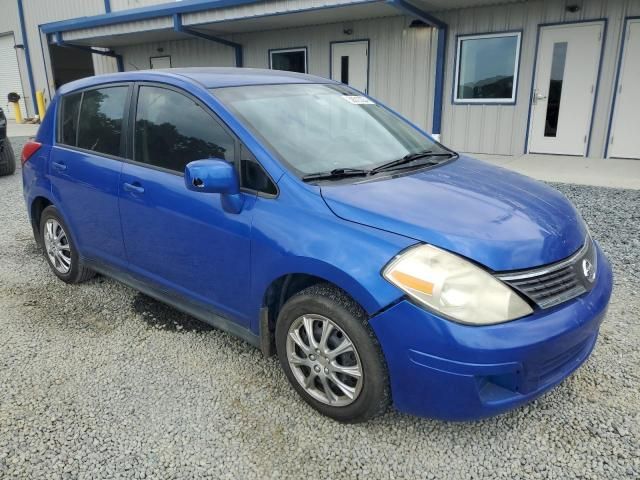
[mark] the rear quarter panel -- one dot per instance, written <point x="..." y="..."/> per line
<point x="35" y="181"/>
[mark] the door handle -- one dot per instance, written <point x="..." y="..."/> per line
<point x="61" y="167"/>
<point x="538" y="96"/>
<point x="134" y="187"/>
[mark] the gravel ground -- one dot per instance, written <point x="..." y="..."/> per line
<point x="97" y="381"/>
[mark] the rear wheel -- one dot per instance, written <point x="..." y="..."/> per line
<point x="330" y="355"/>
<point x="7" y="159"/>
<point x="59" y="248"/>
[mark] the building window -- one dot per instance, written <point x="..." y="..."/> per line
<point x="487" y="68"/>
<point x="290" y="59"/>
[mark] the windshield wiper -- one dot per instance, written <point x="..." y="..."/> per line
<point x="410" y="157"/>
<point x="336" y="174"/>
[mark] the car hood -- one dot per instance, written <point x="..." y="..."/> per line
<point x="496" y="217"/>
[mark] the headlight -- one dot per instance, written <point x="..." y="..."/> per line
<point x="455" y="287"/>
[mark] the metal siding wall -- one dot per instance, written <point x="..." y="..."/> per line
<point x="9" y="23"/>
<point x="184" y="53"/>
<point x="120" y="28"/>
<point x="103" y="64"/>
<point x="400" y="71"/>
<point x="255" y="9"/>
<point x="502" y="129"/>
<point x="38" y="12"/>
<point x="127" y="4"/>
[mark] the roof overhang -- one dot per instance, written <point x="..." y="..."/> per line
<point x="225" y="17"/>
<point x="213" y="22"/>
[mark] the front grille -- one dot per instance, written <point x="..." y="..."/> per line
<point x="554" y="284"/>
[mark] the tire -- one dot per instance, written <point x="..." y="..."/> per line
<point x="70" y="268"/>
<point x="7" y="159"/>
<point x="370" y="391"/>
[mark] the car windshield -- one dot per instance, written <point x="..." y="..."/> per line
<point x="323" y="127"/>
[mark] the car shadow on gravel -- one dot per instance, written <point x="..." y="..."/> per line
<point x="164" y="317"/>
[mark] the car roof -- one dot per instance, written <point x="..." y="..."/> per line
<point x="208" y="77"/>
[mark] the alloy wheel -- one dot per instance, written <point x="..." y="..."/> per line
<point x="324" y="360"/>
<point x="57" y="246"/>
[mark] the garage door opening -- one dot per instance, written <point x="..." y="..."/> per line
<point x="70" y="64"/>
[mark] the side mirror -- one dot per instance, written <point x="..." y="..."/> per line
<point x="212" y="176"/>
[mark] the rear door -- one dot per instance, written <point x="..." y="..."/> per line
<point x="85" y="166"/>
<point x="181" y="240"/>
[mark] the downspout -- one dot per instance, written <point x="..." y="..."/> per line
<point x="178" y="27"/>
<point x="107" y="6"/>
<point x="412" y="11"/>
<point x="109" y="53"/>
<point x="25" y="42"/>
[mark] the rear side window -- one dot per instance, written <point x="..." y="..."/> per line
<point x="69" y="122"/>
<point x="172" y="130"/>
<point x="101" y="114"/>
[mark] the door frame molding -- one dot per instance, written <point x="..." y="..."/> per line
<point x="359" y="40"/>
<point x="625" y="27"/>
<point x="597" y="87"/>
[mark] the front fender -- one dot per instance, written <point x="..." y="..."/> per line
<point x="302" y="235"/>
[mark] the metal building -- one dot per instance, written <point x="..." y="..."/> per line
<point x="489" y="76"/>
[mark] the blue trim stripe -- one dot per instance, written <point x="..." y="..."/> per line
<point x="439" y="86"/>
<point x="143" y="13"/>
<point x="25" y="42"/>
<point x="413" y="11"/>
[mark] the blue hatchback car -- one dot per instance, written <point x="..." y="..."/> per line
<point x="317" y="224"/>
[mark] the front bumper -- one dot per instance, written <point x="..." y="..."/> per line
<point x="446" y="370"/>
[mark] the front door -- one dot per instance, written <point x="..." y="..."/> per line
<point x="625" y="140"/>
<point x="350" y="64"/>
<point x="564" y="88"/>
<point x="183" y="241"/>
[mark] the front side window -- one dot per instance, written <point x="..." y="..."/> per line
<point x="100" y="123"/>
<point x="291" y="60"/>
<point x="253" y="176"/>
<point x="172" y="130"/>
<point x="70" y="107"/>
<point x="487" y="68"/>
<point x="320" y="127"/>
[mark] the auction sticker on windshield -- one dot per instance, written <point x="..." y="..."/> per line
<point x="358" y="100"/>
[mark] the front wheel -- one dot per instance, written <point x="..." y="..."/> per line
<point x="330" y="355"/>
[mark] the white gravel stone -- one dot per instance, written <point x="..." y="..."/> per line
<point x="97" y="381"/>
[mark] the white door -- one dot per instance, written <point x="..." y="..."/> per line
<point x="564" y="88"/>
<point x="350" y="64"/>
<point x="9" y="75"/>
<point x="160" y="62"/>
<point x="625" y="134"/>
